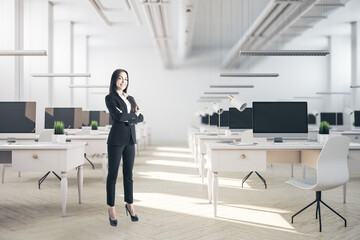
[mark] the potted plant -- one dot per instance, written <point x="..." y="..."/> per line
<point x="94" y="128"/>
<point x="59" y="136"/>
<point x="323" y="135"/>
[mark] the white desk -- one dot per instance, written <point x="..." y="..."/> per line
<point x="41" y="157"/>
<point x="95" y="144"/>
<point x="233" y="158"/>
<point x="201" y="148"/>
<point x="211" y="134"/>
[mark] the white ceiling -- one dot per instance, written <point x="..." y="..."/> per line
<point x="218" y="24"/>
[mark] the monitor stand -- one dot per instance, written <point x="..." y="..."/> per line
<point x="278" y="139"/>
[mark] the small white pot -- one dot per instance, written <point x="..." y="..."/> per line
<point x="59" y="138"/>
<point x="94" y="132"/>
<point x="322" y="138"/>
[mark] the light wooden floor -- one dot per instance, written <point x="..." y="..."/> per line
<point x="172" y="204"/>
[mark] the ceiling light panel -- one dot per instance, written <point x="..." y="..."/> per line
<point x="232" y="86"/>
<point x="23" y="53"/>
<point x="111" y="5"/>
<point x="284" y="53"/>
<point x="249" y="75"/>
<point x="225" y="93"/>
<point x="114" y="14"/>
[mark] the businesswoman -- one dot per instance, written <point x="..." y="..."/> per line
<point x="125" y="114"/>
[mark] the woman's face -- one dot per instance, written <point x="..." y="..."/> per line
<point x="122" y="81"/>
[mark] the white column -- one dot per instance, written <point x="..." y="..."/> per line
<point x="327" y="98"/>
<point x="354" y="65"/>
<point x="50" y="52"/>
<point x="19" y="45"/>
<point x="71" y="62"/>
<point x="87" y="70"/>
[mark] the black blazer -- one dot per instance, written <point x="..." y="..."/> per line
<point x="121" y="131"/>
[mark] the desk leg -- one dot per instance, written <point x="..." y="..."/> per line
<point x="292" y="170"/>
<point x="304" y="171"/>
<point x="195" y="155"/>
<point x="2" y="168"/>
<point x="80" y="179"/>
<point x="215" y="191"/>
<point x="201" y="167"/>
<point x="64" y="190"/>
<point x="19" y="174"/>
<point x="104" y="167"/>
<point x="209" y="176"/>
<point x="344" y="190"/>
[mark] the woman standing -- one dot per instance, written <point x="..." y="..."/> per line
<point x="125" y="114"/>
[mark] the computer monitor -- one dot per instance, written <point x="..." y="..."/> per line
<point x="240" y="120"/>
<point x="71" y="117"/>
<point x="17" y="117"/>
<point x="100" y="116"/>
<point x="357" y="118"/>
<point x="280" y="119"/>
<point x="205" y="119"/>
<point x="214" y="119"/>
<point x="311" y="119"/>
<point x="224" y="119"/>
<point x="331" y="118"/>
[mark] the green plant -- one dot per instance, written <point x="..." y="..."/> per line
<point x="58" y="127"/>
<point x="94" y="125"/>
<point x="324" y="128"/>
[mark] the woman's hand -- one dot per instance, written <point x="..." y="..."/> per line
<point x="137" y="112"/>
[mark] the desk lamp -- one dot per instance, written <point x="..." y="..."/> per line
<point x="349" y="112"/>
<point x="240" y="105"/>
<point x="219" y="111"/>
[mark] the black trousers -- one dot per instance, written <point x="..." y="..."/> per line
<point x="114" y="156"/>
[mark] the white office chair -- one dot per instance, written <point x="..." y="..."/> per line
<point x="332" y="171"/>
<point x="247" y="136"/>
<point x="46" y="136"/>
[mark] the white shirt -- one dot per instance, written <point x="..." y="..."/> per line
<point x="128" y="104"/>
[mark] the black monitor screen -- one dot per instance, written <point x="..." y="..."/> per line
<point x="17" y="117"/>
<point x="280" y="119"/>
<point x="357" y="118"/>
<point x="71" y="117"/>
<point x="312" y="119"/>
<point x="331" y="118"/>
<point x="240" y="120"/>
<point x="214" y="119"/>
<point x="100" y="116"/>
<point x="205" y="119"/>
<point x="224" y="119"/>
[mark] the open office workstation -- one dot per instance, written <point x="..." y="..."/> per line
<point x="250" y="109"/>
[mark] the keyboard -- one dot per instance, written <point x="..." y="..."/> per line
<point x="243" y="144"/>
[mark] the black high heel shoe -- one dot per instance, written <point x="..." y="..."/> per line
<point x="112" y="222"/>
<point x="133" y="218"/>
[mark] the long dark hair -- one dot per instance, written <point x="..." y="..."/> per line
<point x="113" y="88"/>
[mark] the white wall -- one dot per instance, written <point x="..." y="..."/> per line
<point x="36" y="37"/>
<point x="80" y="67"/>
<point x="7" y="42"/>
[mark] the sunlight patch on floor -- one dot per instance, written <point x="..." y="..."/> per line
<point x="172" y="149"/>
<point x="249" y="215"/>
<point x="171" y="163"/>
<point x="171" y="155"/>
<point x="173" y="177"/>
